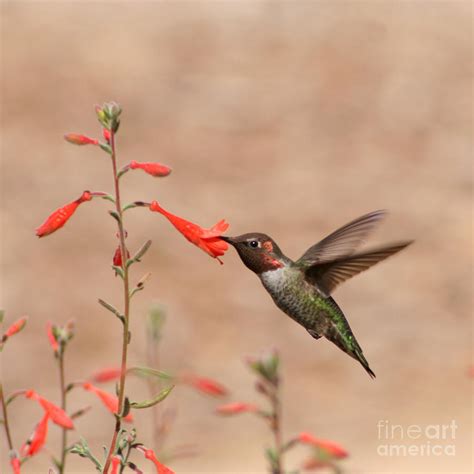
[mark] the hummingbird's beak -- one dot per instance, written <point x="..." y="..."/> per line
<point x="229" y="240"/>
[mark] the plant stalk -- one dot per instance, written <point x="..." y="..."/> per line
<point x="276" y="429"/>
<point x="5" y="419"/>
<point x="62" y="466"/>
<point x="126" y="297"/>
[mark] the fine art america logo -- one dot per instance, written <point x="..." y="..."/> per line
<point x="416" y="440"/>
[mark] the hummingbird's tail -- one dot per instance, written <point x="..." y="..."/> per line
<point x="340" y="333"/>
<point x="357" y="355"/>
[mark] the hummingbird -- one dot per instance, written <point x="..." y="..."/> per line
<point x="302" y="289"/>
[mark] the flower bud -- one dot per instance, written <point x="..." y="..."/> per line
<point x="77" y="139"/>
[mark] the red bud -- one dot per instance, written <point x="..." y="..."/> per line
<point x="15" y="328"/>
<point x="107" y="375"/>
<point x="329" y="446"/>
<point x="77" y="139"/>
<point x="154" y="169"/>
<point x="236" y="408"/>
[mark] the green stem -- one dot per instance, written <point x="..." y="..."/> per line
<point x="5" y="419"/>
<point x="126" y="312"/>
<point x="62" y="465"/>
<point x="276" y="428"/>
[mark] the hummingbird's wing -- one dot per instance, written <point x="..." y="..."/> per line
<point x="342" y="242"/>
<point x="327" y="276"/>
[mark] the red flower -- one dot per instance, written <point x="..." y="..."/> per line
<point x="52" y="338"/>
<point x="55" y="413"/>
<point x="109" y="400"/>
<point x="236" y="408"/>
<point x="206" y="239"/>
<point x="106" y="134"/>
<point x="77" y="139"/>
<point x="106" y="375"/>
<point x="154" y="169"/>
<point x="60" y="216"/>
<point x="15" y="463"/>
<point x="37" y="439"/>
<point x="160" y="468"/>
<point x="15" y="328"/>
<point x="205" y="385"/>
<point x="115" y="462"/>
<point x="117" y="260"/>
<point x="329" y="446"/>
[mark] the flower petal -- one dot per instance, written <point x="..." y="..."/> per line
<point x="110" y="401"/>
<point x="149" y="454"/>
<point x="330" y="447"/>
<point x="236" y="408"/>
<point x="55" y="413"/>
<point x="206" y="239"/>
<point x="77" y="139"/>
<point x="205" y="385"/>
<point x="115" y="464"/>
<point x="37" y="439"/>
<point x="15" y="328"/>
<point x="15" y="464"/>
<point x="60" y="216"/>
<point x="154" y="169"/>
<point x="52" y="338"/>
<point x="107" y="375"/>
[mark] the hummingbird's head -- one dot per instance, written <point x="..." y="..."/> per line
<point x="259" y="252"/>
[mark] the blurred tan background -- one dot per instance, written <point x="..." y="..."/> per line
<point x="287" y="118"/>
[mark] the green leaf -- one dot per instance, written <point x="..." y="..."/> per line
<point x="272" y="456"/>
<point x="111" y="308"/>
<point x="115" y="216"/>
<point x="140" y="252"/>
<point x="126" y="407"/>
<point x="118" y="271"/>
<point x="82" y="449"/>
<point x="136" y="290"/>
<point x="153" y="401"/>
<point x="108" y="197"/>
<point x="106" y="148"/>
<point x="2" y="315"/>
<point x="149" y="372"/>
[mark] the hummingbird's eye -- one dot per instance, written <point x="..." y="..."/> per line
<point x="254" y="243"/>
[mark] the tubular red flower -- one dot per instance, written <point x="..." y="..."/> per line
<point x="15" y="463"/>
<point x="60" y="216"/>
<point x="106" y="134"/>
<point x="51" y="337"/>
<point x="55" y="413"/>
<point x="115" y="463"/>
<point x="330" y="447"/>
<point x="37" y="439"/>
<point x="236" y="408"/>
<point x="117" y="260"/>
<point x="154" y="169"/>
<point x="205" y="385"/>
<point x="149" y="454"/>
<point x="110" y="401"/>
<point x="77" y="139"/>
<point x="106" y="375"/>
<point x="206" y="239"/>
<point x="15" y="328"/>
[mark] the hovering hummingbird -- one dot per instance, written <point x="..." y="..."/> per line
<point x="303" y="289"/>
